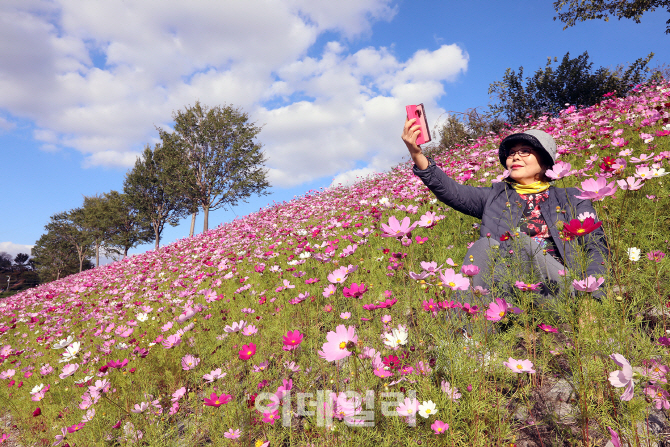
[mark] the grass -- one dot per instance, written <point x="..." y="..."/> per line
<point x="203" y="284"/>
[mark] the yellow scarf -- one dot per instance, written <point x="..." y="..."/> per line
<point x="532" y="188"/>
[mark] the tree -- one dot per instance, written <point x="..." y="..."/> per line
<point x="53" y="256"/>
<point x="225" y="163"/>
<point x="461" y="128"/>
<point x="581" y="10"/>
<point x="70" y="226"/>
<point x="5" y="261"/>
<point x="21" y="259"/>
<point x="571" y="82"/>
<point x="130" y="230"/>
<point x="100" y="221"/>
<point x="153" y="189"/>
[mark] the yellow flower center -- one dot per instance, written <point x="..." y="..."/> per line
<point x="248" y="352"/>
<point x="428" y="411"/>
<point x="502" y="314"/>
<point x="519" y="366"/>
<point x="343" y="345"/>
<point x="217" y="402"/>
<point x="581" y="230"/>
<point x="452" y="284"/>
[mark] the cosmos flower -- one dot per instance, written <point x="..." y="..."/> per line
<point x="336" y="346"/>
<point x="520" y="366"/>
<point x="623" y="377"/>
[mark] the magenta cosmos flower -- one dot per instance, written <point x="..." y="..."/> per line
<point x="520" y="366"/>
<point x="336" y="346"/>
<point x="439" y="427"/>
<point x="547" y="328"/>
<point x="398" y="229"/>
<point x="217" y="401"/>
<point x="454" y="280"/>
<point x="355" y="291"/>
<point x="623" y="377"/>
<point x="527" y="287"/>
<point x="293" y="338"/>
<point x="247" y="351"/>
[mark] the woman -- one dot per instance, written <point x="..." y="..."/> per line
<point x="526" y="203"/>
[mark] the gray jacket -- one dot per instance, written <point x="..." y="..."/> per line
<point x="500" y="208"/>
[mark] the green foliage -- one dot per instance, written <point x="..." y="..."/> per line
<point x="572" y="82"/>
<point x="128" y="229"/>
<point x="55" y="255"/>
<point x="462" y="128"/>
<point x="21" y="259"/>
<point x="224" y="162"/>
<point x="581" y="10"/>
<point x="153" y="188"/>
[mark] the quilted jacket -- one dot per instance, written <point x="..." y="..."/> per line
<point x="500" y="208"/>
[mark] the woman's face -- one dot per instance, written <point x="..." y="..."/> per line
<point x="524" y="170"/>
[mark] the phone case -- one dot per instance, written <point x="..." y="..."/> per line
<point x="418" y="112"/>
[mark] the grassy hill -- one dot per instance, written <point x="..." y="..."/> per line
<point x="186" y="345"/>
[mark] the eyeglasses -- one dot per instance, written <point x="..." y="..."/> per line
<point x="522" y="153"/>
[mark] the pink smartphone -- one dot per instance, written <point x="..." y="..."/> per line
<point x="418" y="112"/>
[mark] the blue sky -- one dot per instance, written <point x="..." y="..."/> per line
<point x="83" y="84"/>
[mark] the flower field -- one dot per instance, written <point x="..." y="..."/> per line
<point x="334" y="319"/>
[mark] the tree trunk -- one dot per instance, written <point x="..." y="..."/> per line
<point x="97" y="254"/>
<point x="157" y="234"/>
<point x="205" y="226"/>
<point x="125" y="252"/>
<point x="192" y="224"/>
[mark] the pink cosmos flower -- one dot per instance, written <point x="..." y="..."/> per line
<point x="398" y="229"/>
<point x="452" y="393"/>
<point x="623" y="377"/>
<point x="614" y="437"/>
<point x="249" y="330"/>
<point x="230" y="434"/>
<point x="171" y="341"/>
<point x="338" y="276"/>
<point x="427" y="220"/>
<point x="329" y="290"/>
<point x="631" y="184"/>
<point x="408" y="408"/>
<point x="642" y="158"/>
<point x="547" y="328"/>
<point x="178" y="394"/>
<point x="345" y="315"/>
<point x="68" y="370"/>
<point x="439" y="427"/>
<point x="520" y="366"/>
<point x="559" y="170"/>
<point x="454" y="280"/>
<point x="60" y="438"/>
<point x="643" y="172"/>
<point x="382" y="373"/>
<point x="656" y="372"/>
<point x="270" y="418"/>
<point x="589" y="284"/>
<point x="659" y="396"/>
<point x="619" y="142"/>
<point x="189" y="362"/>
<point x="469" y="270"/>
<point x="527" y="287"/>
<point x="420" y="276"/>
<point x="596" y="189"/>
<point x="214" y="375"/>
<point x="336" y="346"/>
<point x="237" y="326"/>
<point x="498" y="309"/>
<point x="140" y="408"/>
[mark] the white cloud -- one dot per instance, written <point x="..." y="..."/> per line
<point x="14" y="249"/>
<point x="6" y="125"/>
<point x="98" y="76"/>
<point x="351" y="177"/>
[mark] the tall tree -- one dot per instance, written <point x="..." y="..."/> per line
<point x="100" y="220"/>
<point x="71" y="226"/>
<point x="20" y="259"/>
<point x="225" y="162"/>
<point x="581" y="10"/>
<point x="53" y="256"/>
<point x="130" y="230"/>
<point x="153" y="188"/>
<point x="572" y="82"/>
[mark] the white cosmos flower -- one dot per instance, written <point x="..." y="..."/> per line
<point x="634" y="254"/>
<point x="427" y="409"/>
<point x="60" y="344"/>
<point x="142" y="317"/>
<point x="395" y="338"/>
<point x="70" y="352"/>
<point x="37" y="388"/>
<point x="84" y="380"/>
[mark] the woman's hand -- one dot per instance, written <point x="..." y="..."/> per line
<point x="409" y="135"/>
